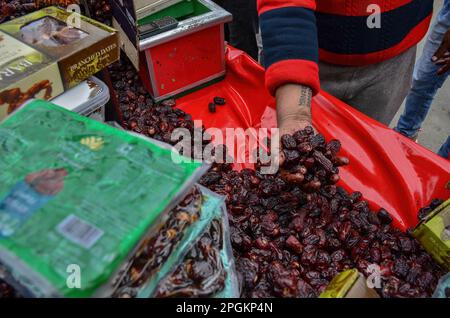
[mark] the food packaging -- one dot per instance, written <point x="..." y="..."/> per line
<point x="434" y="234"/>
<point x="42" y="55"/>
<point x="443" y="287"/>
<point x="205" y="281"/>
<point x="87" y="98"/>
<point x="349" y="284"/>
<point x="150" y="268"/>
<point x="77" y="197"/>
<point x="180" y="60"/>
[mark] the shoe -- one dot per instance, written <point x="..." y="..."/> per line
<point x="414" y="137"/>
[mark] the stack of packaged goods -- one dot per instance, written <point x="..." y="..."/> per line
<point x="48" y="52"/>
<point x="78" y="213"/>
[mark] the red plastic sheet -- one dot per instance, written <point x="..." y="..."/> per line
<point x="390" y="170"/>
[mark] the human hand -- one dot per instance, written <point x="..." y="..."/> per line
<point x="293" y="111"/>
<point x="293" y="108"/>
<point x="442" y="55"/>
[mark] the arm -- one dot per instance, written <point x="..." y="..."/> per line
<point x="293" y="107"/>
<point x="291" y="55"/>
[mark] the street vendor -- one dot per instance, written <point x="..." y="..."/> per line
<point x="362" y="51"/>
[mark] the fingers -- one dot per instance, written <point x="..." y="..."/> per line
<point x="444" y="59"/>
<point x="445" y="68"/>
<point x="441" y="51"/>
<point x="442" y="55"/>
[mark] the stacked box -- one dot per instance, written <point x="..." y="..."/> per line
<point x="49" y="51"/>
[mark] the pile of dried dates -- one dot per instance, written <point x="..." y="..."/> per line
<point x="6" y="291"/>
<point x="139" y="113"/>
<point x="155" y="250"/>
<point x="201" y="274"/>
<point x="11" y="9"/>
<point x="100" y="10"/>
<point x="294" y="231"/>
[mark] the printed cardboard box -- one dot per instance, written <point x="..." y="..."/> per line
<point x="42" y="55"/>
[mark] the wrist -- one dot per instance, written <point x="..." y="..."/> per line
<point x="303" y="114"/>
<point x="293" y="103"/>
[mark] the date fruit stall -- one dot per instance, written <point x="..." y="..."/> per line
<point x="391" y="171"/>
<point x="293" y="232"/>
<point x="291" y="236"/>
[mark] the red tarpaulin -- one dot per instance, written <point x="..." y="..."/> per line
<point x="390" y="170"/>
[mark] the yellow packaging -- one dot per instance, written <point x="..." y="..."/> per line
<point x="434" y="234"/>
<point x="349" y="284"/>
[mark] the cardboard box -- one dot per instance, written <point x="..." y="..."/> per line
<point x="42" y="55"/>
<point x="434" y="234"/>
<point x="349" y="284"/>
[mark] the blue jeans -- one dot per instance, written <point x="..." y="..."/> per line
<point x="445" y="149"/>
<point x="426" y="82"/>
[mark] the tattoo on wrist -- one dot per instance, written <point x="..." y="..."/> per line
<point x="305" y="96"/>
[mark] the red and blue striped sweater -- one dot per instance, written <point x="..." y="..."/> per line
<point x="297" y="33"/>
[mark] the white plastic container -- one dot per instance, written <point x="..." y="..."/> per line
<point x="88" y="99"/>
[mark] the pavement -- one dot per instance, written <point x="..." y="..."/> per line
<point x="436" y="127"/>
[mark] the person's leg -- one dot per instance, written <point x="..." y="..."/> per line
<point x="426" y="82"/>
<point x="376" y="90"/>
<point x="445" y="149"/>
<point x="385" y="87"/>
<point x="244" y="26"/>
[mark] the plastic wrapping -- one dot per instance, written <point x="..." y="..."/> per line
<point x="390" y="170"/>
<point x="162" y="251"/>
<point x="443" y="288"/>
<point x="167" y="245"/>
<point x="434" y="234"/>
<point x="349" y="284"/>
<point x="213" y="249"/>
<point x="77" y="196"/>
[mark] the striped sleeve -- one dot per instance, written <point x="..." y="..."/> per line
<point x="290" y="43"/>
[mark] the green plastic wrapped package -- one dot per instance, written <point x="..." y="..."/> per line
<point x="76" y="198"/>
<point x="160" y="255"/>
